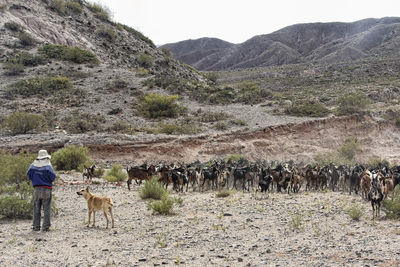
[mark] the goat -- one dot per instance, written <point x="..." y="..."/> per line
<point x="88" y="172"/>
<point x="365" y="183"/>
<point x="375" y="196"/>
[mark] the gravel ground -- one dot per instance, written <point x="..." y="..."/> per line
<point x="244" y="229"/>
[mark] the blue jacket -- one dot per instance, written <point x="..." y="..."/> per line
<point x="41" y="176"/>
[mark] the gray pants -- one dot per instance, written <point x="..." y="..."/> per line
<point x="41" y="197"/>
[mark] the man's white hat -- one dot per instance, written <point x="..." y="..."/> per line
<point x="43" y="154"/>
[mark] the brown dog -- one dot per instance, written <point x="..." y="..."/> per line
<point x="97" y="203"/>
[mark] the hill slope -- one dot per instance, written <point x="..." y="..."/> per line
<point x="300" y="43"/>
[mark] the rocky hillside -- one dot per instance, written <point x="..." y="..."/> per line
<point x="198" y="53"/>
<point x="80" y="60"/>
<point x="301" y="43"/>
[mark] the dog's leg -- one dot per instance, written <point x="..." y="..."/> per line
<point x="94" y="217"/>
<point x="105" y="215"/>
<point x="89" y="214"/>
<point x="112" y="216"/>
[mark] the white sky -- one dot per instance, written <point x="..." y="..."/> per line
<point x="167" y="21"/>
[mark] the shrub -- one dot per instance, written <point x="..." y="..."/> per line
<point x="116" y="174"/>
<point x="162" y="207"/>
<point x="83" y="122"/>
<point x="296" y="221"/>
<point x="392" y="206"/>
<point x="68" y="53"/>
<point x="235" y="158"/>
<point x="308" y="109"/>
<point x="107" y="33"/>
<point x="146" y="61"/>
<point x="353" y="104"/>
<point x="138" y="35"/>
<point x="167" y="52"/>
<point x="223" y="193"/>
<point x="13" y="26"/>
<point x="354" y="212"/>
<point x="212" y="76"/>
<point x="70" y="158"/>
<point x="58" y="6"/>
<point x="220" y="126"/>
<point x="16" y="193"/>
<point x="350" y="148"/>
<point x="152" y="189"/>
<point x="324" y="159"/>
<point x="142" y="72"/>
<point x="213" y="116"/>
<point x="100" y="12"/>
<point x="159" y="106"/>
<point x="26" y="59"/>
<point x="251" y="93"/>
<point x="181" y="127"/>
<point x="39" y="86"/>
<point x="377" y="162"/>
<point x="74" y="6"/>
<point x="21" y="122"/>
<point x="26" y="39"/>
<point x="13" y="69"/>
<point x="98" y="172"/>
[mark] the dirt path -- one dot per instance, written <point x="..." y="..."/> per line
<point x="244" y="229"/>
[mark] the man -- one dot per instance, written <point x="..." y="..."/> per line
<point x="42" y="175"/>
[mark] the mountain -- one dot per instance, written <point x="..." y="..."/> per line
<point x="301" y="43"/>
<point x="64" y="57"/>
<point x="198" y="53"/>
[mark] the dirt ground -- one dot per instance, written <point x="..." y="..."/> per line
<point x="244" y="229"/>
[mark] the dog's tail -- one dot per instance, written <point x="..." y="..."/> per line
<point x="109" y="201"/>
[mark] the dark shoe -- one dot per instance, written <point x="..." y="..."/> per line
<point x="45" y="230"/>
<point x="36" y="229"/>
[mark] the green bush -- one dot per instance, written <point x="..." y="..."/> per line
<point x="13" y="69"/>
<point x="212" y="76"/>
<point x="392" y="206"/>
<point x="213" y="116"/>
<point x="83" y="122"/>
<point x="181" y="127"/>
<point x="26" y="59"/>
<point x="26" y="39"/>
<point x="100" y="12"/>
<point x="39" y="86"/>
<point x="58" y="6"/>
<point x="324" y="159"/>
<point x="68" y="53"/>
<point x="350" y="148"/>
<point x="251" y="93"/>
<point x="107" y="33"/>
<point x="354" y="212"/>
<point x="223" y="193"/>
<point x="16" y="192"/>
<point x="152" y="189"/>
<point x="21" y="122"/>
<point x="74" y="6"/>
<point x="159" y="106"/>
<point x="220" y="126"/>
<point x="116" y="174"/>
<point x="353" y="104"/>
<point x="235" y="158"/>
<point x="13" y="26"/>
<point x="70" y="158"/>
<point x="162" y="207"/>
<point x="308" y="109"/>
<point x="146" y="61"/>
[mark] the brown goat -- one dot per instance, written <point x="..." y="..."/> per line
<point x="365" y="184"/>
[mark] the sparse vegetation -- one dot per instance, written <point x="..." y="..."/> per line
<point x="223" y="193"/>
<point x="39" y="86"/>
<point x="391" y="207"/>
<point x="145" y="61"/>
<point x="296" y="221"/>
<point x="26" y="59"/>
<point x="159" y="106"/>
<point x="100" y="12"/>
<point x="349" y="149"/>
<point x="355" y="212"/>
<point x="353" y="103"/>
<point x="21" y="122"/>
<point x="16" y="193"/>
<point x="163" y="206"/>
<point x="152" y="189"/>
<point x="138" y="35"/>
<point x="68" y="53"/>
<point x="83" y="122"/>
<point x="13" y="69"/>
<point x="308" y="109"/>
<point x="116" y="174"/>
<point x="26" y="39"/>
<point x="107" y="33"/>
<point x="70" y="158"/>
<point x="179" y="127"/>
<point x="13" y="26"/>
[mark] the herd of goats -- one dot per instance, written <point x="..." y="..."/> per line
<point x="374" y="183"/>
